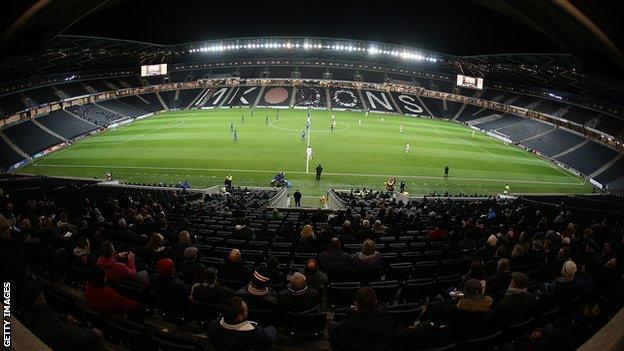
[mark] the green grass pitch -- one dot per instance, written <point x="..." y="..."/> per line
<point x="197" y="146"/>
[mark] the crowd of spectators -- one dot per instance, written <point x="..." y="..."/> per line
<point x="518" y="261"/>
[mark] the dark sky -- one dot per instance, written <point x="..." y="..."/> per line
<point x="456" y="27"/>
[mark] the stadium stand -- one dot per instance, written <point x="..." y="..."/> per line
<point x="187" y="96"/>
<point x="96" y="114"/>
<point x="280" y="71"/>
<point x="588" y="158"/>
<point x="11" y="104"/>
<point x="613" y="173"/>
<point x="8" y="156"/>
<point x="122" y="108"/>
<point x="504" y="121"/>
<point x="311" y="72"/>
<point x="73" y="89"/>
<point x="43" y="95"/>
<point x="554" y="142"/>
<point x="469" y="113"/>
<point x="98" y="85"/>
<point x="342" y="74"/>
<point x="610" y="125"/>
<point x="525" y="129"/>
<point x="131" y="81"/>
<point x="311" y="96"/>
<point x="425" y="250"/>
<point x="65" y="124"/>
<point x="147" y="102"/>
<point x="30" y="138"/>
<point x="433" y="105"/>
<point x="372" y="76"/>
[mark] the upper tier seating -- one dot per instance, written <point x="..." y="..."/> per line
<point x="30" y="138"/>
<point x="73" y="89"/>
<point x="95" y="114"/>
<point x="554" y="142"/>
<point x="311" y="72"/>
<point x="588" y="158"/>
<point x="65" y="124"/>
<point x="43" y="95"/>
<point x="11" y="104"/>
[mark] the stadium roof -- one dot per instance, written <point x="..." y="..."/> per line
<point x="33" y="43"/>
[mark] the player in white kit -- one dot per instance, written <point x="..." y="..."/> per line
<point x="407" y="147"/>
<point x="309" y="152"/>
<point x="401" y="130"/>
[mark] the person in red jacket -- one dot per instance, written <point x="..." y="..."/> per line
<point x="104" y="299"/>
<point x="116" y="271"/>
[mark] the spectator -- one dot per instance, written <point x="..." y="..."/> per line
<point x="497" y="285"/>
<point x="233" y="270"/>
<point x="517" y="306"/>
<point x="346" y="232"/>
<point x="334" y="258"/>
<point x="190" y="268"/>
<point x="379" y="229"/>
<point x="307" y="236"/>
<point x="315" y="278"/>
<point x="437" y="234"/>
<point x="298" y="297"/>
<point x="82" y="253"/>
<point x="116" y="271"/>
<point x="157" y="247"/>
<point x="208" y="290"/>
<point x="257" y="293"/>
<point x="488" y="250"/>
<point x="242" y="230"/>
<point x="468" y="317"/>
<point x="164" y="282"/>
<point x="126" y="235"/>
<point x="14" y="265"/>
<point x="234" y="332"/>
<point x="365" y="231"/>
<point x="563" y="288"/>
<point x="369" y="257"/>
<point x="58" y="331"/>
<point x="104" y="299"/>
<point x="184" y="242"/>
<point x="365" y="328"/>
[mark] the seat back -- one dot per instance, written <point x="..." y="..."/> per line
<point x="386" y="290"/>
<point x="310" y="324"/>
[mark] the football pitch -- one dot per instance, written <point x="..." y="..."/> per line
<point x="198" y="146"/>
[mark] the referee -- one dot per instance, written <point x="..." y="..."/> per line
<point x="446" y="170"/>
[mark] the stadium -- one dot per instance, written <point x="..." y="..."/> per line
<point x="258" y="182"/>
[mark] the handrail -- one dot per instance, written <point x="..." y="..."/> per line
<point x="334" y="201"/>
<point x="280" y="199"/>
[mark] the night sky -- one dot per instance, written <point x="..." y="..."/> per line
<point x="449" y="26"/>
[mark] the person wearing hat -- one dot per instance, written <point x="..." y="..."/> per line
<point x="257" y="294"/>
<point x="517" y="306"/>
<point x="298" y="297"/>
<point x="58" y="331"/>
<point x="164" y="282"/>
<point x="104" y="299"/>
<point x="234" y="332"/>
